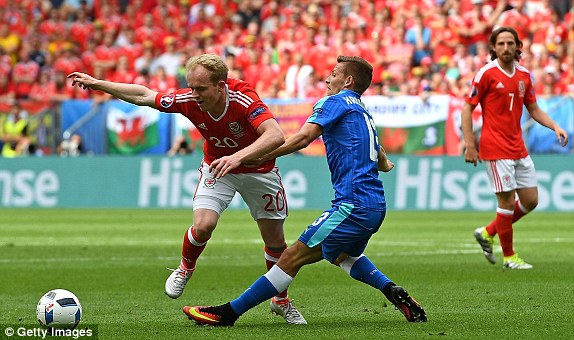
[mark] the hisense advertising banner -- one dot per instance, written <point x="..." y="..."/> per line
<point x="416" y="182"/>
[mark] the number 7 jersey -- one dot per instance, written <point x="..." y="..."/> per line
<point x="234" y="130"/>
<point x="502" y="97"/>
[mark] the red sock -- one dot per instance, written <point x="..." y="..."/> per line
<point x="491" y="228"/>
<point x="519" y="211"/>
<point x="504" y="228"/>
<point x="191" y="249"/>
<point x="271" y="258"/>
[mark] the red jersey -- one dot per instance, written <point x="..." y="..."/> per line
<point x="233" y="131"/>
<point x="502" y="98"/>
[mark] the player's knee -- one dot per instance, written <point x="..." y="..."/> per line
<point x="340" y="259"/>
<point x="531" y="204"/>
<point x="294" y="257"/>
<point x="203" y="230"/>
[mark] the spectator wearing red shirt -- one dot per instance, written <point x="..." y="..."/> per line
<point x="269" y="69"/>
<point x="517" y="18"/>
<point x="127" y="45"/>
<point x="133" y="15"/>
<point x="165" y="9"/>
<point x="67" y="60"/>
<point x="7" y="91"/>
<point x="81" y="29"/>
<point x="443" y="40"/>
<point x="160" y="81"/>
<point x="109" y="15"/>
<point x="479" y="21"/>
<point x="106" y="54"/>
<point x="541" y="24"/>
<point x="457" y="23"/>
<point x="253" y="73"/>
<point x="149" y="31"/>
<point x="54" y="23"/>
<point x="44" y="89"/>
<point x="88" y="55"/>
<point x="320" y="55"/>
<point x="200" y="24"/>
<point x="64" y="90"/>
<point x="123" y="72"/>
<point x="24" y="73"/>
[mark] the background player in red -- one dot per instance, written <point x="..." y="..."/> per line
<point x="236" y="125"/>
<point x="502" y="88"/>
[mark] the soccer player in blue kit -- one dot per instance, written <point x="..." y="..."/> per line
<point x="340" y="234"/>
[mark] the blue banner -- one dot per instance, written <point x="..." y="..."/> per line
<point x="87" y="119"/>
<point x="92" y="126"/>
<point x="542" y="140"/>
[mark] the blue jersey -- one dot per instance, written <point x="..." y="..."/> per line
<point x="352" y="148"/>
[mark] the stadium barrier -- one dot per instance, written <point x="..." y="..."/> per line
<point x="416" y="183"/>
<point x="406" y="125"/>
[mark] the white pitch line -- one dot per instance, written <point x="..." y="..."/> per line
<point x="451" y="249"/>
<point x="84" y="242"/>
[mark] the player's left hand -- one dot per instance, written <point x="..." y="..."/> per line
<point x="562" y="135"/>
<point x="388" y="166"/>
<point x="222" y="166"/>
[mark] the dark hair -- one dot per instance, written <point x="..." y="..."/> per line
<point x="359" y="69"/>
<point x="494" y="36"/>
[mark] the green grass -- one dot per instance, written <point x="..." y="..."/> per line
<point x="115" y="260"/>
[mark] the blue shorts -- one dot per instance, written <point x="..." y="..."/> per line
<point x="343" y="229"/>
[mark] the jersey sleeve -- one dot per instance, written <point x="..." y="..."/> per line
<point x="475" y="92"/>
<point x="173" y="102"/>
<point x="530" y="94"/>
<point x="324" y="112"/>
<point x="258" y="112"/>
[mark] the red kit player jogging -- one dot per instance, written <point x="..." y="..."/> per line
<point x="237" y="126"/>
<point x="502" y="88"/>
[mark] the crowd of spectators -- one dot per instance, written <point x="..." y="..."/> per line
<point x="284" y="48"/>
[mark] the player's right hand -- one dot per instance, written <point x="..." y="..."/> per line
<point x="83" y="80"/>
<point x="471" y="156"/>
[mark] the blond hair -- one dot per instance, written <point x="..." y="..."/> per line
<point x="211" y="63"/>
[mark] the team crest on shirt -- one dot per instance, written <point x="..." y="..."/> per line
<point x="209" y="182"/>
<point x="166" y="100"/>
<point x="236" y="130"/>
<point x="234" y="127"/>
<point x="521" y="88"/>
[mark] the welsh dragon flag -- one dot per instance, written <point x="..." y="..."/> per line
<point x="132" y="131"/>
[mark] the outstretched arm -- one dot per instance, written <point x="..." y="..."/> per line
<point x="544" y="119"/>
<point x="132" y="93"/>
<point x="308" y="133"/>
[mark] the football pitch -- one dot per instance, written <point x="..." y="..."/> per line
<point x="115" y="262"/>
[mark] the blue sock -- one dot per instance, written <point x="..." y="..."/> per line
<point x="260" y="290"/>
<point x="365" y="271"/>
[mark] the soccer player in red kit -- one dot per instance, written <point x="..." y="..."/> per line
<point x="237" y="126"/>
<point x="502" y="88"/>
